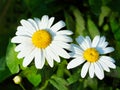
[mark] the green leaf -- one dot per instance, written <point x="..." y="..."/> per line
<point x="31" y="74"/>
<point x="73" y="78"/>
<point x="4" y="71"/>
<point x="35" y="79"/>
<point x="70" y="23"/>
<point x="11" y="59"/>
<point x="59" y="83"/>
<point x="92" y="83"/>
<point x="80" y="22"/>
<point x="2" y="63"/>
<point x="115" y="27"/>
<point x="92" y="28"/>
<point x="61" y="68"/>
<point x="21" y="64"/>
<point x="105" y="11"/>
<point x="4" y="74"/>
<point x="114" y="73"/>
<point x="95" y="6"/>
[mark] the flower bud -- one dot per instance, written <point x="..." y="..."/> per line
<point x="17" y="79"/>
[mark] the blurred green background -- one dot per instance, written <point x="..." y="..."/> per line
<point x="83" y="17"/>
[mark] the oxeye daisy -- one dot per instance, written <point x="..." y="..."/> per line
<point x="41" y="41"/>
<point x="92" y="55"/>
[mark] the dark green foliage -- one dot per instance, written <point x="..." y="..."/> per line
<point x="83" y="17"/>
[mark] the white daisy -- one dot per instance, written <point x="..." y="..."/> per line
<point x="39" y="40"/>
<point x="91" y="53"/>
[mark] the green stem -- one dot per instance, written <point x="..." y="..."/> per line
<point x="44" y="86"/>
<point x="22" y="86"/>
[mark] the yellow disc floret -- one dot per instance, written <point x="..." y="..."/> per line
<point x="91" y="55"/>
<point x="41" y="38"/>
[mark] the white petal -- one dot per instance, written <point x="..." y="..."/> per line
<point x="23" y="31"/>
<point x="37" y="20"/>
<point x="25" y="51"/>
<point x="101" y="41"/>
<point x="62" y="45"/>
<point x="58" y="26"/>
<point x="66" y="32"/>
<point x="43" y="58"/>
<point x="76" y="49"/>
<point x="108" y="61"/>
<point x="75" y="62"/>
<point x="99" y="71"/>
<point x="22" y="54"/>
<point x="50" y="22"/>
<point x="34" y="24"/>
<point x="104" y="45"/>
<point x="91" y="70"/>
<point x="95" y="41"/>
<point x="44" y="22"/>
<point x="85" y="69"/>
<point x="109" y="58"/>
<point x="74" y="55"/>
<point x="21" y="46"/>
<point x="63" y="38"/>
<point x="29" y="32"/>
<point x="53" y="53"/>
<point x="48" y="58"/>
<point x="104" y="66"/>
<point x="27" y="25"/>
<point x="39" y="59"/>
<point x="107" y="50"/>
<point x="81" y="41"/>
<point x="88" y="41"/>
<point x="60" y="51"/>
<point x="20" y="39"/>
<point x="28" y="59"/>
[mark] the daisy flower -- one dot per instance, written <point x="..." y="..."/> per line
<point x="92" y="54"/>
<point x="41" y="41"/>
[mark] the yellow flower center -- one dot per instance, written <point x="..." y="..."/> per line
<point x="41" y="38"/>
<point x="91" y="55"/>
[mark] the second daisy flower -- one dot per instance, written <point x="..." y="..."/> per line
<point x="91" y="53"/>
